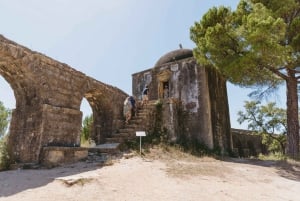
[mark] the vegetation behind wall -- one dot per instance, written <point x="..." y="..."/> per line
<point x="4" y="157"/>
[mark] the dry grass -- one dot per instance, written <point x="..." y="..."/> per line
<point x="183" y="165"/>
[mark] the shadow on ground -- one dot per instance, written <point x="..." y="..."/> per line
<point x="287" y="169"/>
<point x="16" y="181"/>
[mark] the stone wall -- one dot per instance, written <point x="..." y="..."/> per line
<point x="246" y="143"/>
<point x="220" y="119"/>
<point x="48" y="97"/>
<point x="54" y="156"/>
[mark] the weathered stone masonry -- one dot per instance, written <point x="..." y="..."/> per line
<point x="48" y="98"/>
<point x="197" y="107"/>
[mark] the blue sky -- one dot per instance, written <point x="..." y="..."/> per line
<point x="109" y="40"/>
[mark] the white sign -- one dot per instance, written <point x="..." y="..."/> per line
<point x="140" y="133"/>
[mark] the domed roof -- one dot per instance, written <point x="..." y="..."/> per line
<point x="174" y="55"/>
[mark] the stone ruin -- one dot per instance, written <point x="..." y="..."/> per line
<point x="48" y="97"/>
<point x="195" y="107"/>
<point x="47" y="119"/>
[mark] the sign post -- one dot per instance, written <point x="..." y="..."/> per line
<point x="141" y="134"/>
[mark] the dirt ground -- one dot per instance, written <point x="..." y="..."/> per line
<point x="159" y="176"/>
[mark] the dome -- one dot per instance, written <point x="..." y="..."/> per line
<point x="174" y="55"/>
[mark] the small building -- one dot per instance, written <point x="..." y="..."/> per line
<point x="194" y="98"/>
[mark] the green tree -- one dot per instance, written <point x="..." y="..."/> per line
<point x="257" y="45"/>
<point x="4" y="122"/>
<point x="4" y="119"/>
<point x="86" y="128"/>
<point x="267" y="120"/>
<point x="4" y="156"/>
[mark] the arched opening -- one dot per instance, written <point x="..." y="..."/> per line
<point x="166" y="89"/>
<point x="7" y="96"/>
<point x="86" y="124"/>
<point x="102" y="114"/>
<point x="163" y="84"/>
<point x="9" y="103"/>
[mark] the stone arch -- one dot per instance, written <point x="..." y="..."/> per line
<point x="101" y="109"/>
<point x="163" y="80"/>
<point x="23" y="84"/>
<point x="107" y="108"/>
<point x="48" y="96"/>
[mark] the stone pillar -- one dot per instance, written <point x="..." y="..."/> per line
<point x="60" y="126"/>
<point x="31" y="130"/>
<point x="24" y="135"/>
<point x="220" y="118"/>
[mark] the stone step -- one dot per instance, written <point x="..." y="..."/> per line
<point x="138" y="117"/>
<point x="105" y="148"/>
<point x="134" y="126"/>
<point x="135" y="121"/>
<point x="151" y="103"/>
<point x="120" y="135"/>
<point x="131" y="125"/>
<point x="114" y="139"/>
<point x="120" y="139"/>
<point x="126" y="130"/>
<point x="96" y="157"/>
<point x="142" y="112"/>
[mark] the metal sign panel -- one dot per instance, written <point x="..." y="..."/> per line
<point x="140" y="133"/>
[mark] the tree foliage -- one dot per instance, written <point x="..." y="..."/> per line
<point x="267" y="120"/>
<point x="258" y="46"/>
<point x="5" y="114"/>
<point x="4" y="119"/>
<point x="86" y="128"/>
<point x="4" y="155"/>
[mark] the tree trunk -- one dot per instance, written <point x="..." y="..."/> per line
<point x="292" y="117"/>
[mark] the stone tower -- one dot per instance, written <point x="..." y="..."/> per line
<point x="195" y="104"/>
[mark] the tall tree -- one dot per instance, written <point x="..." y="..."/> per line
<point x="4" y="119"/>
<point x="257" y="45"/>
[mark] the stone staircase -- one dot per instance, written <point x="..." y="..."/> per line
<point x="128" y="132"/>
<point x="136" y="123"/>
<point x="102" y="153"/>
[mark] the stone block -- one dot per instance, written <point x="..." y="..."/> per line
<point x="54" y="156"/>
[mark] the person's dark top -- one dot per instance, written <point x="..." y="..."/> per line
<point x="132" y="101"/>
<point x="145" y="91"/>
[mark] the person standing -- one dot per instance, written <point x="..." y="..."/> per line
<point x="133" y="108"/>
<point x="145" y="95"/>
<point x="127" y="110"/>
